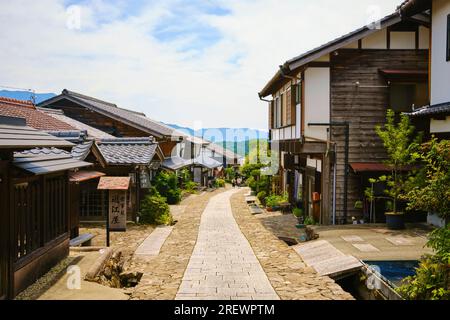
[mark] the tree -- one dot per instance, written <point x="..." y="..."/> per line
<point x="430" y="189"/>
<point x="402" y="152"/>
<point x="167" y="186"/>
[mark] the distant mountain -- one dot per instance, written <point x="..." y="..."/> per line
<point x="26" y="95"/>
<point x="224" y="134"/>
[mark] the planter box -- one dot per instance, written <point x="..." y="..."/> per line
<point x="395" y="221"/>
<point x="436" y="221"/>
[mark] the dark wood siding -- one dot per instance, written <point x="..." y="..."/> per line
<point x="4" y="234"/>
<point x="364" y="107"/>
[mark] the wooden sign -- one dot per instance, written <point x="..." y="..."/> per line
<point x="117" y="210"/>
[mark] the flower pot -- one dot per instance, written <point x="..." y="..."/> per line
<point x="300" y="219"/>
<point x="395" y="221"/>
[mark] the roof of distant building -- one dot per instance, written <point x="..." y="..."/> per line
<point x="132" y="118"/>
<point x="34" y="118"/>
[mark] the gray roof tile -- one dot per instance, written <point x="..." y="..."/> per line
<point x="431" y="110"/>
<point x="127" y="151"/>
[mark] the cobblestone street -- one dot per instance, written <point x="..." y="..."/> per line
<point x="223" y="265"/>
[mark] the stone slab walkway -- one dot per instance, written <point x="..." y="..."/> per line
<point x="223" y="265"/>
<point x="326" y="259"/>
<point x="291" y="278"/>
<point x="153" y="243"/>
<point x="163" y="273"/>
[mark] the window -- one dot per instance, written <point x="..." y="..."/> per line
<point x="277" y="112"/>
<point x="448" y="37"/>
<point x="403" y="96"/>
<point x="298" y="93"/>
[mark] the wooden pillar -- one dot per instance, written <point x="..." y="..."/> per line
<point x="325" y="213"/>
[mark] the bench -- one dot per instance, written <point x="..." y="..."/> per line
<point x="82" y="240"/>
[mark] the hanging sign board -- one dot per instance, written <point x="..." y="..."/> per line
<point x="117" y="213"/>
<point x="117" y="210"/>
<point x="144" y="179"/>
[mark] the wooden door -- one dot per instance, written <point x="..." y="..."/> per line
<point x="4" y="222"/>
<point x="310" y="187"/>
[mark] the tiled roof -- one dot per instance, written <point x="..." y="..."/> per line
<point x="431" y="110"/>
<point x="43" y="152"/>
<point x="33" y="117"/>
<point x="48" y="164"/>
<point x="132" y="118"/>
<point x="127" y="151"/>
<point x="91" y="131"/>
<point x="78" y="152"/>
<point x="207" y="162"/>
<point x="219" y="150"/>
<point x="82" y="150"/>
<point x="14" y="134"/>
<point x="176" y="163"/>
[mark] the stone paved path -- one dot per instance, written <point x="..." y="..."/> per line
<point x="153" y="243"/>
<point x="223" y="264"/>
<point x="291" y="278"/>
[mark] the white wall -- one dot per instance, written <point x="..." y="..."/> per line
<point x="403" y="40"/>
<point x="437" y="126"/>
<point x="440" y="68"/>
<point x="377" y="40"/>
<point x="317" y="101"/>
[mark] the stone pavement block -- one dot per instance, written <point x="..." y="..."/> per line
<point x="223" y="250"/>
<point x="154" y="242"/>
<point x="365" y="247"/>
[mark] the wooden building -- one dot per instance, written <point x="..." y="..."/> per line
<point x="113" y="120"/>
<point x="434" y="118"/>
<point x="34" y="205"/>
<point x="325" y="104"/>
<point x="137" y="158"/>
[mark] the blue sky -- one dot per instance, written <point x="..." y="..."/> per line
<point x="190" y="62"/>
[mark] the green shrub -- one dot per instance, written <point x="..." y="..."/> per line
<point x="155" y="210"/>
<point x="190" y="187"/>
<point x="167" y="186"/>
<point x="262" y="196"/>
<point x="432" y="278"/>
<point x="230" y="174"/>
<point x="275" y="200"/>
<point x="298" y="212"/>
<point x="309" y="221"/>
<point x="219" y="183"/>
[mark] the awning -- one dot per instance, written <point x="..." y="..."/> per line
<point x="81" y="176"/>
<point x="176" y="163"/>
<point x="114" y="183"/>
<point x="374" y="167"/>
<point x="404" y="74"/>
<point x="369" y="167"/>
<point x="48" y="164"/>
<point x="207" y="162"/>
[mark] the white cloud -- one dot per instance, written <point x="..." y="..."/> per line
<point x="118" y="59"/>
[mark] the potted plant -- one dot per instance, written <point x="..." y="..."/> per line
<point x="298" y="213"/>
<point x="402" y="152"/>
<point x="358" y="205"/>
